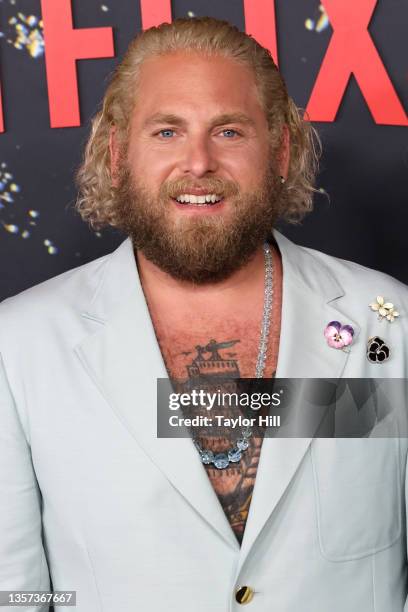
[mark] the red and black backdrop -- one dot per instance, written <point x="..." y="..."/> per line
<point x="345" y="61"/>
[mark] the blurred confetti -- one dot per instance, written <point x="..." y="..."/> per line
<point x="9" y="210"/>
<point x="7" y="186"/>
<point x="320" y="23"/>
<point x="51" y="248"/>
<point x="10" y="227"/>
<point x="27" y="34"/>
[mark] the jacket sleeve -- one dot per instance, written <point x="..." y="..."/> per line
<point x="23" y="564"/>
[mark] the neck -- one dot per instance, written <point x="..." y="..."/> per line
<point x="162" y="289"/>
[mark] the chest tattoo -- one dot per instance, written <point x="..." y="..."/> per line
<point x="200" y="364"/>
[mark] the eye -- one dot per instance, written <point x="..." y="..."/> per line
<point x="166" y="133"/>
<point x="230" y="132"/>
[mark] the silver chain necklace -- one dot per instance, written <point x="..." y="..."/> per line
<point x="234" y="454"/>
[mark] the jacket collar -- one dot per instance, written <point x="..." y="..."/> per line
<point x="311" y="298"/>
<point x="122" y="356"/>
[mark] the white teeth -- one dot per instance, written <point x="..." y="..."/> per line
<point x="201" y="199"/>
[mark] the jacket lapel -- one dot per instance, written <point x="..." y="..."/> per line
<point x="311" y="298"/>
<point x="123" y="358"/>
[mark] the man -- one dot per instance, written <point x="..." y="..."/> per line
<point x="195" y="155"/>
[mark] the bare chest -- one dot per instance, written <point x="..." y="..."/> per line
<point x="230" y="349"/>
<point x="213" y="348"/>
<point x="224" y="341"/>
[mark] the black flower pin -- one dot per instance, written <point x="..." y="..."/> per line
<point x="377" y="350"/>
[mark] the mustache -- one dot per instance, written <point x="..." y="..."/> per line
<point x="216" y="185"/>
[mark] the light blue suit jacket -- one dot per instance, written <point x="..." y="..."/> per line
<point x="91" y="496"/>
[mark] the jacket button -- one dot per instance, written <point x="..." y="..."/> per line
<point x="244" y="594"/>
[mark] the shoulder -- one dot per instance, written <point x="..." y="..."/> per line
<point x="363" y="287"/>
<point x="319" y="271"/>
<point x="356" y="278"/>
<point x="26" y="314"/>
<point x="313" y="277"/>
<point x="56" y="289"/>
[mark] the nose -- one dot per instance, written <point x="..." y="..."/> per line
<point x="198" y="157"/>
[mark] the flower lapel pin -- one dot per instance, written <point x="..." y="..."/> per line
<point x="377" y="350"/>
<point x="338" y="336"/>
<point x="385" y="309"/>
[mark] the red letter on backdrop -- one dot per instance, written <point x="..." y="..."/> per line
<point x="352" y="51"/>
<point x="63" y="46"/>
<point x="154" y="13"/>
<point x="260" y="23"/>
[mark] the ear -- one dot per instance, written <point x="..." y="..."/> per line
<point x="114" y="156"/>
<point x="284" y="154"/>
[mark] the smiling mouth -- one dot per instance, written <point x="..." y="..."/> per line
<point x="208" y="200"/>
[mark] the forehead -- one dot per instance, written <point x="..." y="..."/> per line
<point x="196" y="85"/>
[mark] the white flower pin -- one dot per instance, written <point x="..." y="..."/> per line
<point x="385" y="309"/>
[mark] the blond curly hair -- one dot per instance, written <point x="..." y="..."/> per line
<point x="96" y="198"/>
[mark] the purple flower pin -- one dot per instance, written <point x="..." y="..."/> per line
<point x="337" y="335"/>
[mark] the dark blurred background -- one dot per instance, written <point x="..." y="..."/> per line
<point x="364" y="168"/>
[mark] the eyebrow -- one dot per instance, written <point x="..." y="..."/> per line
<point x="222" y="119"/>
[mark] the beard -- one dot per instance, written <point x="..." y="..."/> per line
<point x="198" y="248"/>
